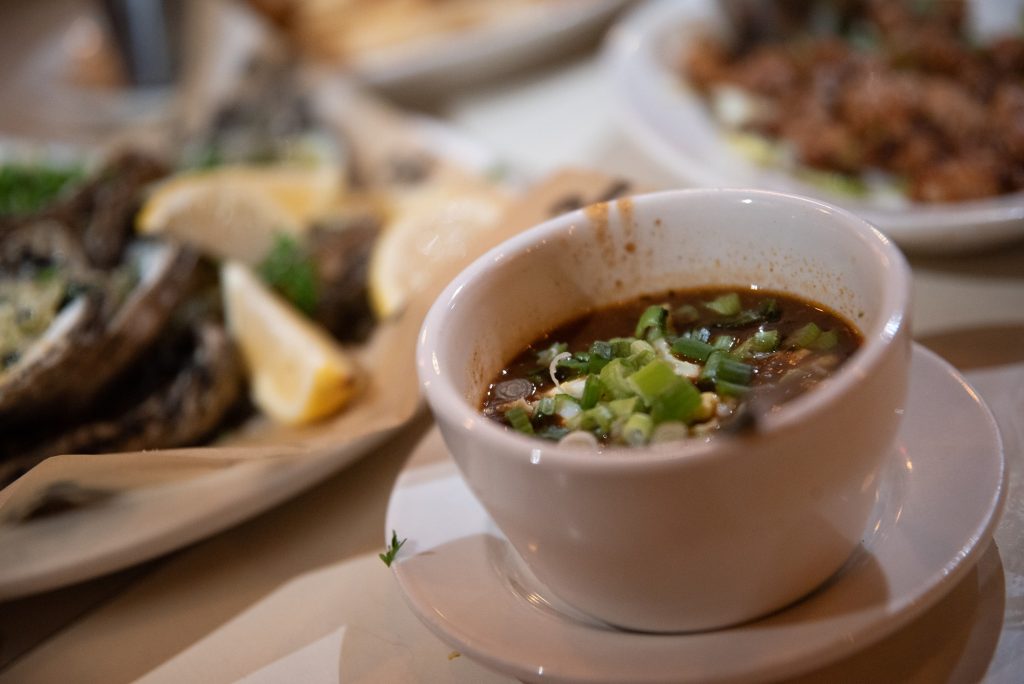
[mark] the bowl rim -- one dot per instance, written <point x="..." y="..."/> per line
<point x="447" y="402"/>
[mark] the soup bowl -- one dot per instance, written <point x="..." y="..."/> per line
<point x="705" y="532"/>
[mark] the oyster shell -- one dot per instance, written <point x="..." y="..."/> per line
<point x="41" y="372"/>
<point x="96" y="334"/>
<point x="162" y="402"/>
<point x="103" y="342"/>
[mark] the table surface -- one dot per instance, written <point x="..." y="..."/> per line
<point x="298" y="593"/>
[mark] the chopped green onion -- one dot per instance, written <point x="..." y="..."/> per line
<point x="731" y="389"/>
<point x="621" y="346"/>
<point x="637" y="346"/>
<point x="710" y="370"/>
<point x="826" y="341"/>
<point x="761" y="342"/>
<point x="687" y="313"/>
<point x="803" y="337"/>
<point x="764" y="341"/>
<point x="723" y="342"/>
<point x="651" y="325"/>
<point x="669" y="431"/>
<point x="544" y="407"/>
<point x="546" y="356"/>
<point x="652" y="380"/>
<point x="693" y="349"/>
<point x="637" y="429"/>
<point x="726" y="305"/>
<point x="517" y="418"/>
<point x="641" y="358"/>
<point x="577" y="363"/>
<point x="770" y="310"/>
<point x="598" y="418"/>
<point x="743" y="319"/>
<point x="680" y="401"/>
<point x="720" y="366"/>
<point x="731" y="370"/>
<point x="566" y="407"/>
<point x="614" y="378"/>
<point x="600" y="354"/>
<point x="622" y="408"/>
<point x="592" y="391"/>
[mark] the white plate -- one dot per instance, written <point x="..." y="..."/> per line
<point x="149" y="521"/>
<point x="938" y="505"/>
<point x="674" y="126"/>
<point x="537" y="33"/>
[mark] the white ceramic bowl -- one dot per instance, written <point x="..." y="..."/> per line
<point x="697" y="534"/>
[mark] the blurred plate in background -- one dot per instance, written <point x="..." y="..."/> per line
<point x="674" y="126"/>
<point x="415" y="56"/>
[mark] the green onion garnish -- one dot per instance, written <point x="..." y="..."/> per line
<point x="637" y="429"/>
<point x="566" y="407"/>
<point x="710" y="370"/>
<point x="546" y="356"/>
<point x="726" y="305"/>
<point x="770" y="310"/>
<point x="680" y="401"/>
<point x="577" y="363"/>
<point x="519" y="420"/>
<point x="731" y="389"/>
<point x="761" y="342"/>
<point x="687" y="313"/>
<point x="600" y="354"/>
<point x="723" y="342"/>
<point x="764" y="341"/>
<point x="592" y="390"/>
<point x="692" y="348"/>
<point x="825" y="341"/>
<point x="623" y="408"/>
<point x="651" y="325"/>
<point x="621" y="346"/>
<point x="731" y="370"/>
<point x="614" y="378"/>
<point x="598" y="419"/>
<point x="652" y="380"/>
<point x="803" y="337"/>
<point x="544" y="407"/>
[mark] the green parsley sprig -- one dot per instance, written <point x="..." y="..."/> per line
<point x="392" y="550"/>
<point x="290" y="270"/>
<point x="25" y="188"/>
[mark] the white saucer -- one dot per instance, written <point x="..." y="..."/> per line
<point x="939" y="503"/>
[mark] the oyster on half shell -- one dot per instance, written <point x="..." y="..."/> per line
<point x="102" y="346"/>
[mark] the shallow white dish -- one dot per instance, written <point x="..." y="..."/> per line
<point x="673" y="125"/>
<point x="940" y="500"/>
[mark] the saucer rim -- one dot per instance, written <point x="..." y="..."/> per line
<point x="935" y="582"/>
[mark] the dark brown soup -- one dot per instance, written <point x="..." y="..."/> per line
<point x="671" y="366"/>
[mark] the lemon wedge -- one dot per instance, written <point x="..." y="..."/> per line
<point x="433" y="232"/>
<point x="235" y="212"/>
<point x="298" y="373"/>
